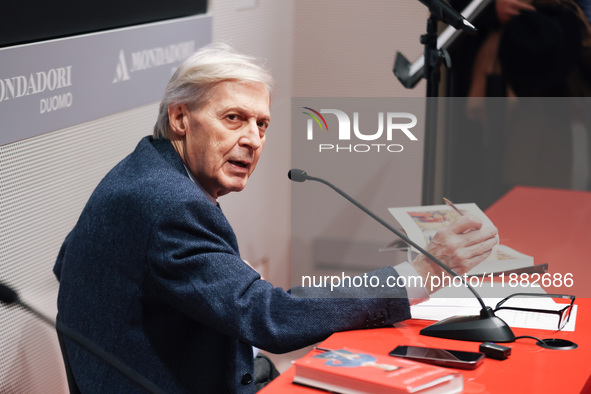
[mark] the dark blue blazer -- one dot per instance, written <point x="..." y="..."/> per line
<point x="152" y="273"/>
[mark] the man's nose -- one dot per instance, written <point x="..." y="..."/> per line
<point x="252" y="135"/>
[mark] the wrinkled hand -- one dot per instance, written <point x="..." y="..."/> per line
<point x="461" y="246"/>
<point x="507" y="9"/>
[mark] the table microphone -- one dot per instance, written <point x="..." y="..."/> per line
<point x="9" y="296"/>
<point x="485" y="327"/>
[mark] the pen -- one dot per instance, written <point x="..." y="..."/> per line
<point x="451" y="204"/>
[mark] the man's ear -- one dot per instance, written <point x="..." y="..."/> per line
<point x="178" y="116"/>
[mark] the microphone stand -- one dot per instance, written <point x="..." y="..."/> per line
<point x="434" y="58"/>
<point x="485" y="327"/>
<point x="9" y="296"/>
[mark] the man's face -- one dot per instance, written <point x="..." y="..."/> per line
<point x="224" y="137"/>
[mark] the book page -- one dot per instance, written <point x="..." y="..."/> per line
<point x="503" y="258"/>
<point x="422" y="222"/>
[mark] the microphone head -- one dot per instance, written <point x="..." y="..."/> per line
<point x="7" y="295"/>
<point x="297" y="175"/>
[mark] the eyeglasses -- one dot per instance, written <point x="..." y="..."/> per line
<point x="563" y="314"/>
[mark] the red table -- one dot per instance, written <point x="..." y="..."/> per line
<point x="554" y="226"/>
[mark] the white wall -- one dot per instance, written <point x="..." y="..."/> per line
<point x="347" y="48"/>
<point x="44" y="184"/>
<point x="326" y="48"/>
<point x="260" y="214"/>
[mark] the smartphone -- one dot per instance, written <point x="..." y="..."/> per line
<point x="442" y="357"/>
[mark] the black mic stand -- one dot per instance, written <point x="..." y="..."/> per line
<point x="434" y="58"/>
<point x="9" y="296"/>
<point x="485" y="327"/>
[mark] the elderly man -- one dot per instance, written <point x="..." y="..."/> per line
<point x="152" y="273"/>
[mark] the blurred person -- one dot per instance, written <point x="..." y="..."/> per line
<point x="544" y="52"/>
<point x="545" y="55"/>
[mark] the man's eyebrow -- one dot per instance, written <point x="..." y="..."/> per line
<point x="246" y="110"/>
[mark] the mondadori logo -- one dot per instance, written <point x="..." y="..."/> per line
<point x="350" y="138"/>
<point x="42" y="84"/>
<point x="149" y="58"/>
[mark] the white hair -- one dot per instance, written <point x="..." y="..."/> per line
<point x="192" y="82"/>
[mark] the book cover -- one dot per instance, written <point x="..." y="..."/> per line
<point x="352" y="371"/>
<point x="421" y="223"/>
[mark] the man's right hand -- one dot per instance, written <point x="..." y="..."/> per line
<point x="461" y="246"/>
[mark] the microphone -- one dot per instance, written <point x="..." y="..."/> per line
<point x="485" y="327"/>
<point x="444" y="12"/>
<point x="297" y="175"/>
<point x="9" y="296"/>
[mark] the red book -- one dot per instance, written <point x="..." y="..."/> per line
<point x="351" y="371"/>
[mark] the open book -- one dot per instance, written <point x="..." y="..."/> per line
<point x="421" y="224"/>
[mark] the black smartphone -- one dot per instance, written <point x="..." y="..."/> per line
<point x="443" y="357"/>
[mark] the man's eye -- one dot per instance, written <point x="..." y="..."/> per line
<point x="232" y="117"/>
